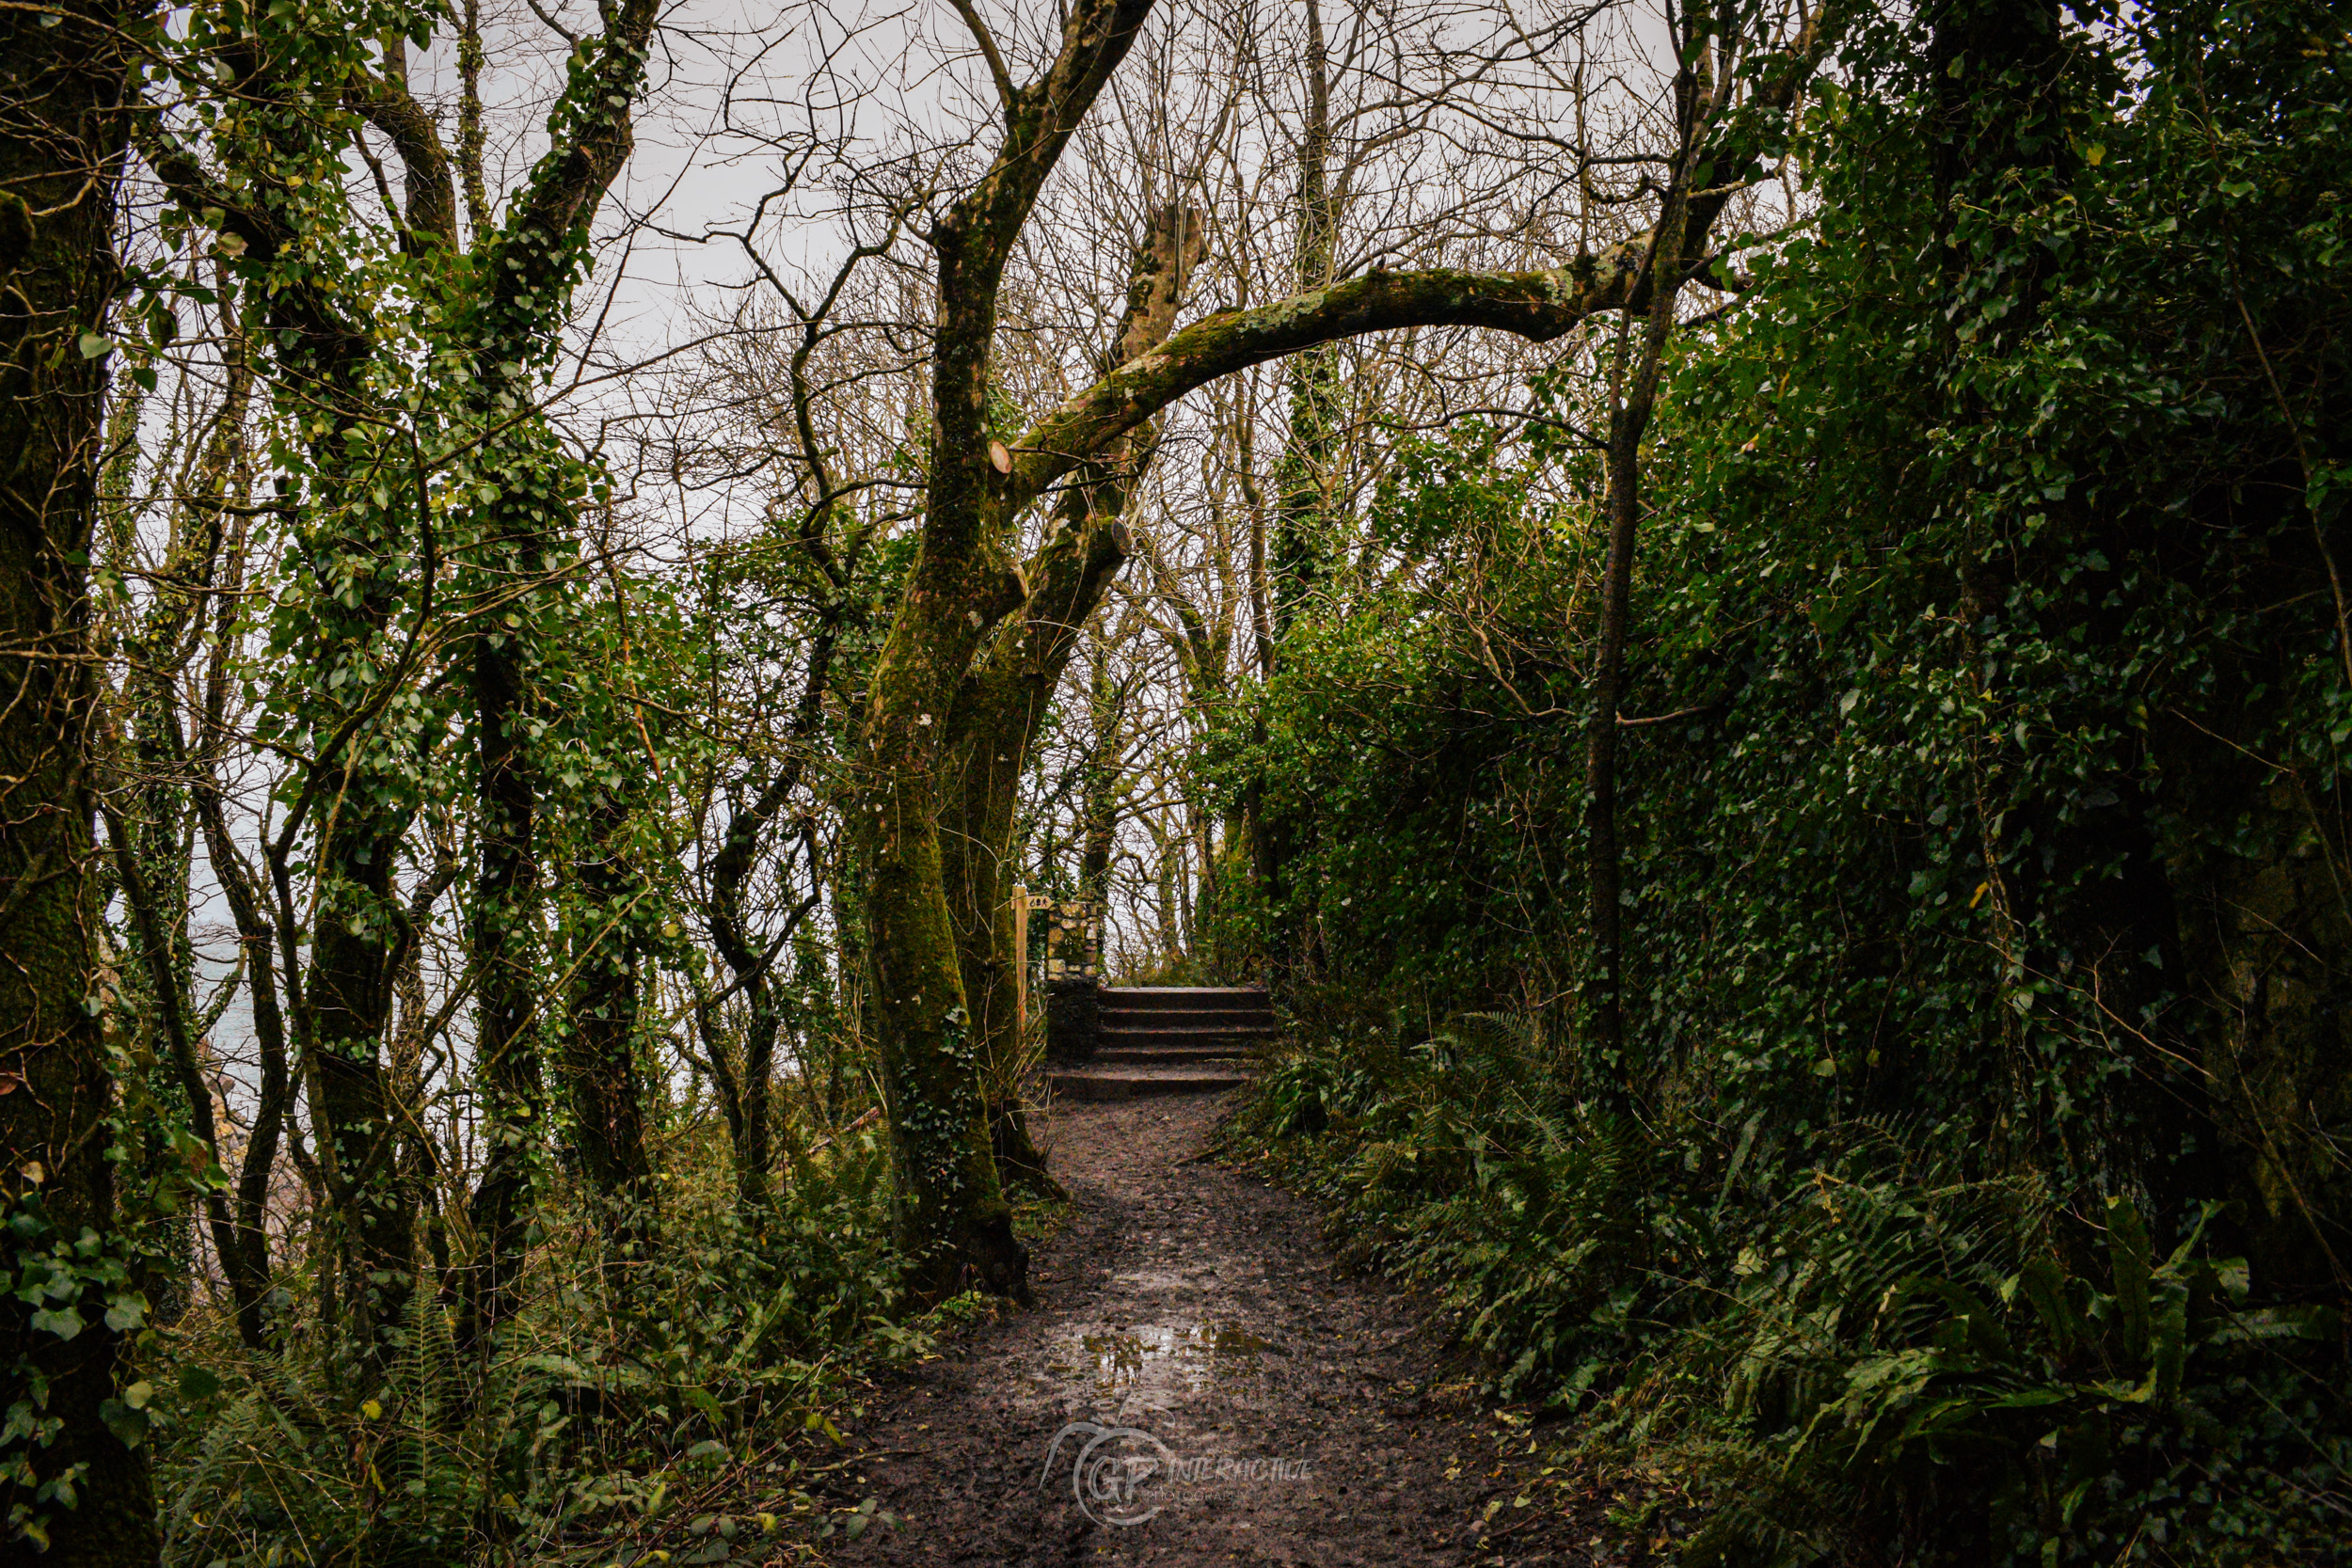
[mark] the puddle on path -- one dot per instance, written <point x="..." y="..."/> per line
<point x="1197" y="1355"/>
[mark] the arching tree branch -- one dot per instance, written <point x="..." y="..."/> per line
<point x="1539" y="306"/>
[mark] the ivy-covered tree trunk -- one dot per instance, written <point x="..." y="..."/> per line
<point x="67" y="1480"/>
<point x="357" y="945"/>
<point x="1299" y="554"/>
<point x="1302" y="549"/>
<point x="504" y="938"/>
<point x="356" y="798"/>
<point x="516" y="552"/>
<point x="601" y="1027"/>
<point x="377" y="566"/>
<point x="1634" y="398"/>
<point x="1709" y="144"/>
<point x="359" y="937"/>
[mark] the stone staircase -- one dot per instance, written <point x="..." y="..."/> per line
<point x="1169" y="1040"/>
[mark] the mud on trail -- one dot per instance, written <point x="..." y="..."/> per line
<point x="1254" y="1402"/>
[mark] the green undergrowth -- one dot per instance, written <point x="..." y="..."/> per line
<point x="1854" y="1353"/>
<point x="678" y="1398"/>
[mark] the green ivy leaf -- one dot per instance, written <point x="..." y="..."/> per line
<point x="63" y="1322"/>
<point x="128" y="1424"/>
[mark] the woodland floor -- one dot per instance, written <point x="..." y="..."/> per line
<point x="1198" y="1304"/>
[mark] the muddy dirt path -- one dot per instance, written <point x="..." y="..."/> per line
<point x="1223" y="1392"/>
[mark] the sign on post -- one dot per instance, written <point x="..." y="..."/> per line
<point x="1022" y="902"/>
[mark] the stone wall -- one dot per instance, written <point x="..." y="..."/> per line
<point x="1073" y="978"/>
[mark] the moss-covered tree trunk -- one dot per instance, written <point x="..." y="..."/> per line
<point x="62" y="136"/>
<point x="953" y="1215"/>
<point x="1005" y="698"/>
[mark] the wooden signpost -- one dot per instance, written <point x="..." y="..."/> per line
<point x="1020" y="967"/>
<point x="1022" y="904"/>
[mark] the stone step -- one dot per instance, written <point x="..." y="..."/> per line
<point x="1197" y="1018"/>
<point x="1134" y="1051"/>
<point x="1169" y="1054"/>
<point x="1184" y="998"/>
<point x="1130" y="1083"/>
<point x="1174" y="1026"/>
